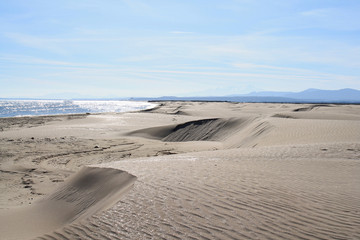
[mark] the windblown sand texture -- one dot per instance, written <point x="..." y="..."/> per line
<point x="198" y="171"/>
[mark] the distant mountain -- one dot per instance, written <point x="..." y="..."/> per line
<point x="311" y="95"/>
<point x="342" y="95"/>
<point x="308" y="96"/>
<point x="267" y="94"/>
<point x="347" y="95"/>
<point x="220" y="99"/>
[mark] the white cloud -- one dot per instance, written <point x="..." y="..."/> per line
<point x="180" y="32"/>
<point x="317" y="12"/>
<point x="29" y="60"/>
<point x="36" y="42"/>
<point x="343" y="18"/>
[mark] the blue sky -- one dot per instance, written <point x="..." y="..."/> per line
<point x="123" y="48"/>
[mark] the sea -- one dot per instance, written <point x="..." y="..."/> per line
<point x="19" y="108"/>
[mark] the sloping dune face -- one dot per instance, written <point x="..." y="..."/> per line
<point x="87" y="192"/>
<point x="248" y="171"/>
<point x="297" y="192"/>
<point x="214" y="129"/>
<point x="202" y="130"/>
<point x="91" y="190"/>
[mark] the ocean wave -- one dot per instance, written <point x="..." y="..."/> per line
<point x="16" y="108"/>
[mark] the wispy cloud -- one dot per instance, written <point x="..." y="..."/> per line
<point x="273" y="68"/>
<point x="36" y="42"/>
<point x="58" y="45"/>
<point x="180" y="32"/>
<point x="317" y="12"/>
<point x="340" y="18"/>
<point x="181" y="45"/>
<point x="24" y="59"/>
<point x="139" y="6"/>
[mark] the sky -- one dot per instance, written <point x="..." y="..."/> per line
<point x="150" y="48"/>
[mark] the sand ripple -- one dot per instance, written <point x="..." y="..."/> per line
<point x="267" y="193"/>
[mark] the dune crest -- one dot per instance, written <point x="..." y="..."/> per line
<point x="293" y="192"/>
<point x="204" y="170"/>
<point x="89" y="191"/>
<point x="213" y="129"/>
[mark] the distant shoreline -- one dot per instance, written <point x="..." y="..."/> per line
<point x="298" y="102"/>
<point x="195" y="164"/>
<point x="309" y="96"/>
<point x="25" y="108"/>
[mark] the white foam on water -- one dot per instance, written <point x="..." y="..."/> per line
<point x="16" y="108"/>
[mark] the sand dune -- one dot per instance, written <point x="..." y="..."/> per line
<point x="204" y="171"/>
<point x="263" y="193"/>
<point x="82" y="195"/>
<point x="215" y="129"/>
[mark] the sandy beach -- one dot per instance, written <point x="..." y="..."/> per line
<point x="183" y="170"/>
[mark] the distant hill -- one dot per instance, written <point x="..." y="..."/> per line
<point x="220" y="99"/>
<point x="266" y="94"/>
<point x="342" y="95"/>
<point x="346" y="95"/>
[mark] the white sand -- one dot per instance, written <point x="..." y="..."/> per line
<point x="204" y="171"/>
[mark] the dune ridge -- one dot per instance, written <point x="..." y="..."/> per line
<point x="91" y="190"/>
<point x="204" y="171"/>
<point x="297" y="192"/>
<point x="213" y="129"/>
